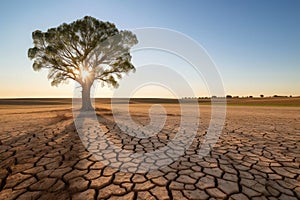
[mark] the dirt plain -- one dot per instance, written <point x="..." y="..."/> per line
<point x="256" y="157"/>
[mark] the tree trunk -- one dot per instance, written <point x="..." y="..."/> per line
<point x="86" y="98"/>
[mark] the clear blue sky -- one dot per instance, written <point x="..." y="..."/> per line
<point x="255" y="44"/>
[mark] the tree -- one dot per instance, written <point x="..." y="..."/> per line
<point x="85" y="50"/>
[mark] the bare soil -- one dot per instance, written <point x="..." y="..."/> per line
<point x="256" y="157"/>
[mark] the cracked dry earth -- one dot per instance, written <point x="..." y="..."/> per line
<point x="256" y="157"/>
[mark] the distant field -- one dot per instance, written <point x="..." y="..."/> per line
<point x="272" y="101"/>
<point x="42" y="102"/>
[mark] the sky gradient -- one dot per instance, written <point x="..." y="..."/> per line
<point x="254" y="44"/>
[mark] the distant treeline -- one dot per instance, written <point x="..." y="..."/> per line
<point x="230" y="96"/>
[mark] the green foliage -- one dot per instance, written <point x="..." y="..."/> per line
<point x="88" y="44"/>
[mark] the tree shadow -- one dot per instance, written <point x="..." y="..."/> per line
<point x="55" y="147"/>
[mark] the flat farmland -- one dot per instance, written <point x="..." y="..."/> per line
<point x="257" y="155"/>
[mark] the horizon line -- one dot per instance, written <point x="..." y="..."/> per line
<point x="200" y="97"/>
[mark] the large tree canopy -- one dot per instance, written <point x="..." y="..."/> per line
<point x="84" y="51"/>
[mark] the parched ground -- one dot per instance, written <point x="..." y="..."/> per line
<point x="256" y="157"/>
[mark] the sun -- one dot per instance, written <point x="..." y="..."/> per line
<point x="84" y="74"/>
